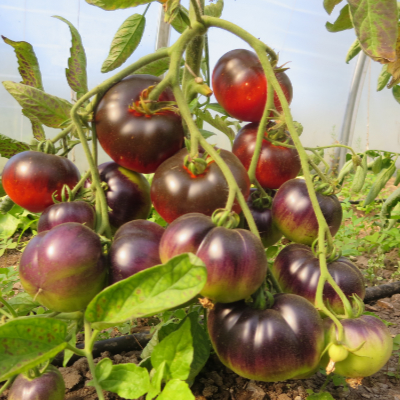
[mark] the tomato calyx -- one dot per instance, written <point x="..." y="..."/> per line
<point x="46" y="146"/>
<point x="197" y="166"/>
<point x="262" y="299"/>
<point x="226" y="218"/>
<point x="147" y="108"/>
<point x="260" y="200"/>
<point x="66" y="195"/>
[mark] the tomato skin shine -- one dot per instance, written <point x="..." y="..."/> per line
<point x="276" y="164"/>
<point x="176" y="191"/>
<point x="134" y="141"/>
<point x="240" y="85"/>
<point x="30" y="178"/>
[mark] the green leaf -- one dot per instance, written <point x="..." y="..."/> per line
<point x="383" y="78"/>
<point x="321" y="396"/>
<point x="397" y="180"/>
<point x="155" y="385"/>
<point x="155" y="68"/>
<point x="37" y="128"/>
<point x="176" y="390"/>
<point x="181" y="20"/>
<point x="396" y="92"/>
<point x="177" y="351"/>
<point x="125" y="42"/>
<point x="206" y="134"/>
<point x="28" y="65"/>
<point x="354" y="49"/>
<point x="9" y="147"/>
<point x="172" y="10"/>
<point x="8" y="225"/>
<point x="218" y="123"/>
<point x="23" y="304"/>
<point x="375" y="23"/>
<point x="103" y="369"/>
<point x="72" y="330"/>
<point x="271" y="251"/>
<point x="127" y="380"/>
<point x="25" y="343"/>
<point x="379" y="184"/>
<point x="218" y="108"/>
<point x="342" y="22"/>
<point x="110" y="5"/>
<point x="148" y="292"/>
<point x="214" y="9"/>
<point x="329" y="5"/>
<point x="76" y="71"/>
<point x="50" y="110"/>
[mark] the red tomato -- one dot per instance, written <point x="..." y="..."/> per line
<point x="276" y="164"/>
<point x="240" y="85"/>
<point x="30" y="178"/>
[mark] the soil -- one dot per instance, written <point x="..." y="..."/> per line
<point x="216" y="382"/>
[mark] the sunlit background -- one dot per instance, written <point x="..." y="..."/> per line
<point x="294" y="28"/>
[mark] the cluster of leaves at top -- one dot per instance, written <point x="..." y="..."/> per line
<point x="138" y="123"/>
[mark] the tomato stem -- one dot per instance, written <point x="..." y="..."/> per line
<point x="7" y="385"/>
<point x="12" y="314"/>
<point x="63" y="133"/>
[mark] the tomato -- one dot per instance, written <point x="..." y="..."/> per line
<point x="49" y="386"/>
<point x="30" y="178"/>
<point x="234" y="258"/>
<point x="279" y="343"/>
<point x="240" y="85"/>
<point x="297" y="270"/>
<point x="368" y="342"/>
<point x="276" y="164"/>
<point x="269" y="233"/>
<point x="134" y="249"/>
<point x="176" y="191"/>
<point x="136" y="141"/>
<point x="294" y="215"/>
<point x="63" y="268"/>
<point x="127" y="193"/>
<point x="59" y="213"/>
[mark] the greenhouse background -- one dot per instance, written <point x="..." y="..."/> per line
<point x="294" y="28"/>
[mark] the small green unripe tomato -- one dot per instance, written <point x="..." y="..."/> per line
<point x="337" y="353"/>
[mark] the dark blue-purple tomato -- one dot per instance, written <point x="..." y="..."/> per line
<point x="59" y="213"/>
<point x="294" y="215"/>
<point x="49" y="386"/>
<point x="366" y="347"/>
<point x="269" y="233"/>
<point x="297" y="270"/>
<point x="282" y="342"/>
<point x="64" y="268"/>
<point x="128" y="194"/>
<point x="235" y="258"/>
<point x="134" y="249"/>
<point x="184" y="235"/>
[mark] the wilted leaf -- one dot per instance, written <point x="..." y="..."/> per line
<point x="76" y="71"/>
<point x="28" y="65"/>
<point x="354" y="49"/>
<point x="125" y="42"/>
<point x="50" y="110"/>
<point x="329" y="5"/>
<point x="214" y="9"/>
<point x="9" y="147"/>
<point x="393" y="68"/>
<point x="375" y="23"/>
<point x="342" y="22"/>
<point x="110" y="5"/>
<point x="25" y="343"/>
<point x="171" y="8"/>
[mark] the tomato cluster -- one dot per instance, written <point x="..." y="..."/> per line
<point x="282" y="340"/>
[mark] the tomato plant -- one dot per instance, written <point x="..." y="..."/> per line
<point x="64" y="268"/>
<point x="367" y="341"/>
<point x="31" y="178"/>
<point x="276" y="165"/>
<point x="74" y="211"/>
<point x="176" y="191"/>
<point x="235" y="258"/>
<point x="135" y="248"/>
<point x="294" y="215"/>
<point x="298" y="271"/>
<point x="240" y="85"/>
<point x="49" y="386"/>
<point x="137" y="141"/>
<point x="127" y="193"/>
<point x="282" y="342"/>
